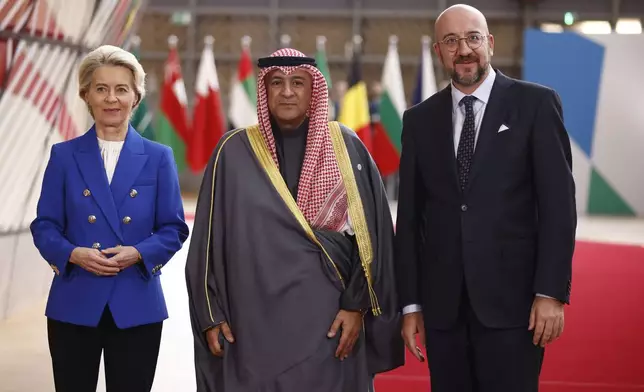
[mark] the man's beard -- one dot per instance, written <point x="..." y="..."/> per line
<point x="468" y="80"/>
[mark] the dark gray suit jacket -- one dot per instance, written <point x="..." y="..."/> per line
<point x="510" y="234"/>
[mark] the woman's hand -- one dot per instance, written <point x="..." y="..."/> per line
<point x="124" y="256"/>
<point x="94" y="261"/>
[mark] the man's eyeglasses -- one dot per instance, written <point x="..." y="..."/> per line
<point x="473" y="41"/>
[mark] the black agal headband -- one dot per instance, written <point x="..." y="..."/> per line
<point x="285" y="61"/>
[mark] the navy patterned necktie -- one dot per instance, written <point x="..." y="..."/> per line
<point x="465" y="150"/>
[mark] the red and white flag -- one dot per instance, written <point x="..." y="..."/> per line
<point x="209" y="122"/>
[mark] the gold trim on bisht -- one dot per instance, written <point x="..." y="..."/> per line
<point x="356" y="210"/>
<point x="265" y="158"/>
<point x="212" y="203"/>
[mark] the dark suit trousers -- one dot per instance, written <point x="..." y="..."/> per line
<point x="470" y="357"/>
<point x="130" y="355"/>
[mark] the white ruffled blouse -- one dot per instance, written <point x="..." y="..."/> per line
<point x="110" y="152"/>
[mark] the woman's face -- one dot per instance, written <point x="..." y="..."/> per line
<point x="111" y="95"/>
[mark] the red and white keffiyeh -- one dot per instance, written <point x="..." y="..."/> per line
<point x="321" y="194"/>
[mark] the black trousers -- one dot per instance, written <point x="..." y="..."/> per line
<point x="473" y="358"/>
<point x="130" y="355"/>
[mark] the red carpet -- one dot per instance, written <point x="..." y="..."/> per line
<point x="602" y="348"/>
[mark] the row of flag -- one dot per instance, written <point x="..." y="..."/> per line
<point x="194" y="141"/>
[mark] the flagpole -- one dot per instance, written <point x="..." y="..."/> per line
<point x="429" y="68"/>
<point x="246" y="41"/>
<point x="426" y="40"/>
<point x="357" y="43"/>
<point x="134" y="42"/>
<point x="285" y="40"/>
<point x="173" y="40"/>
<point x="320" y="43"/>
<point x="393" y="40"/>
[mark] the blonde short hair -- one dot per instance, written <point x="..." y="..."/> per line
<point x="114" y="56"/>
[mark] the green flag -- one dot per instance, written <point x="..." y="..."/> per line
<point x="142" y="117"/>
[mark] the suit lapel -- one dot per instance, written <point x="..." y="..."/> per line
<point x="495" y="111"/>
<point x="89" y="161"/>
<point x="131" y="161"/>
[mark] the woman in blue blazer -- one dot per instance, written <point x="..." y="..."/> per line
<point x="110" y="216"/>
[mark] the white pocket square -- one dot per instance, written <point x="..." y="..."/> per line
<point x="502" y="128"/>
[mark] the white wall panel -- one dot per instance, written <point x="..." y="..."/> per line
<point x="619" y="125"/>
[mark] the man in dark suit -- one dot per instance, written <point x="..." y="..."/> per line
<point x="486" y="219"/>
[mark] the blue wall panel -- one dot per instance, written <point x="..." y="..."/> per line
<point x="572" y="65"/>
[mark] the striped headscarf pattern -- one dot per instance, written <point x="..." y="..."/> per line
<point x="321" y="194"/>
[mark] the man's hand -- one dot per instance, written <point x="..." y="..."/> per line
<point x="93" y="261"/>
<point x="547" y="320"/>
<point x="413" y="325"/>
<point x="212" y="336"/>
<point x="124" y="256"/>
<point x="351" y="324"/>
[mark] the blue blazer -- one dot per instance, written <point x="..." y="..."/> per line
<point x="142" y="207"/>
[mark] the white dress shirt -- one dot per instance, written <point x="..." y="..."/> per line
<point x="482" y="95"/>
<point x="110" y="152"/>
<point x="348" y="227"/>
